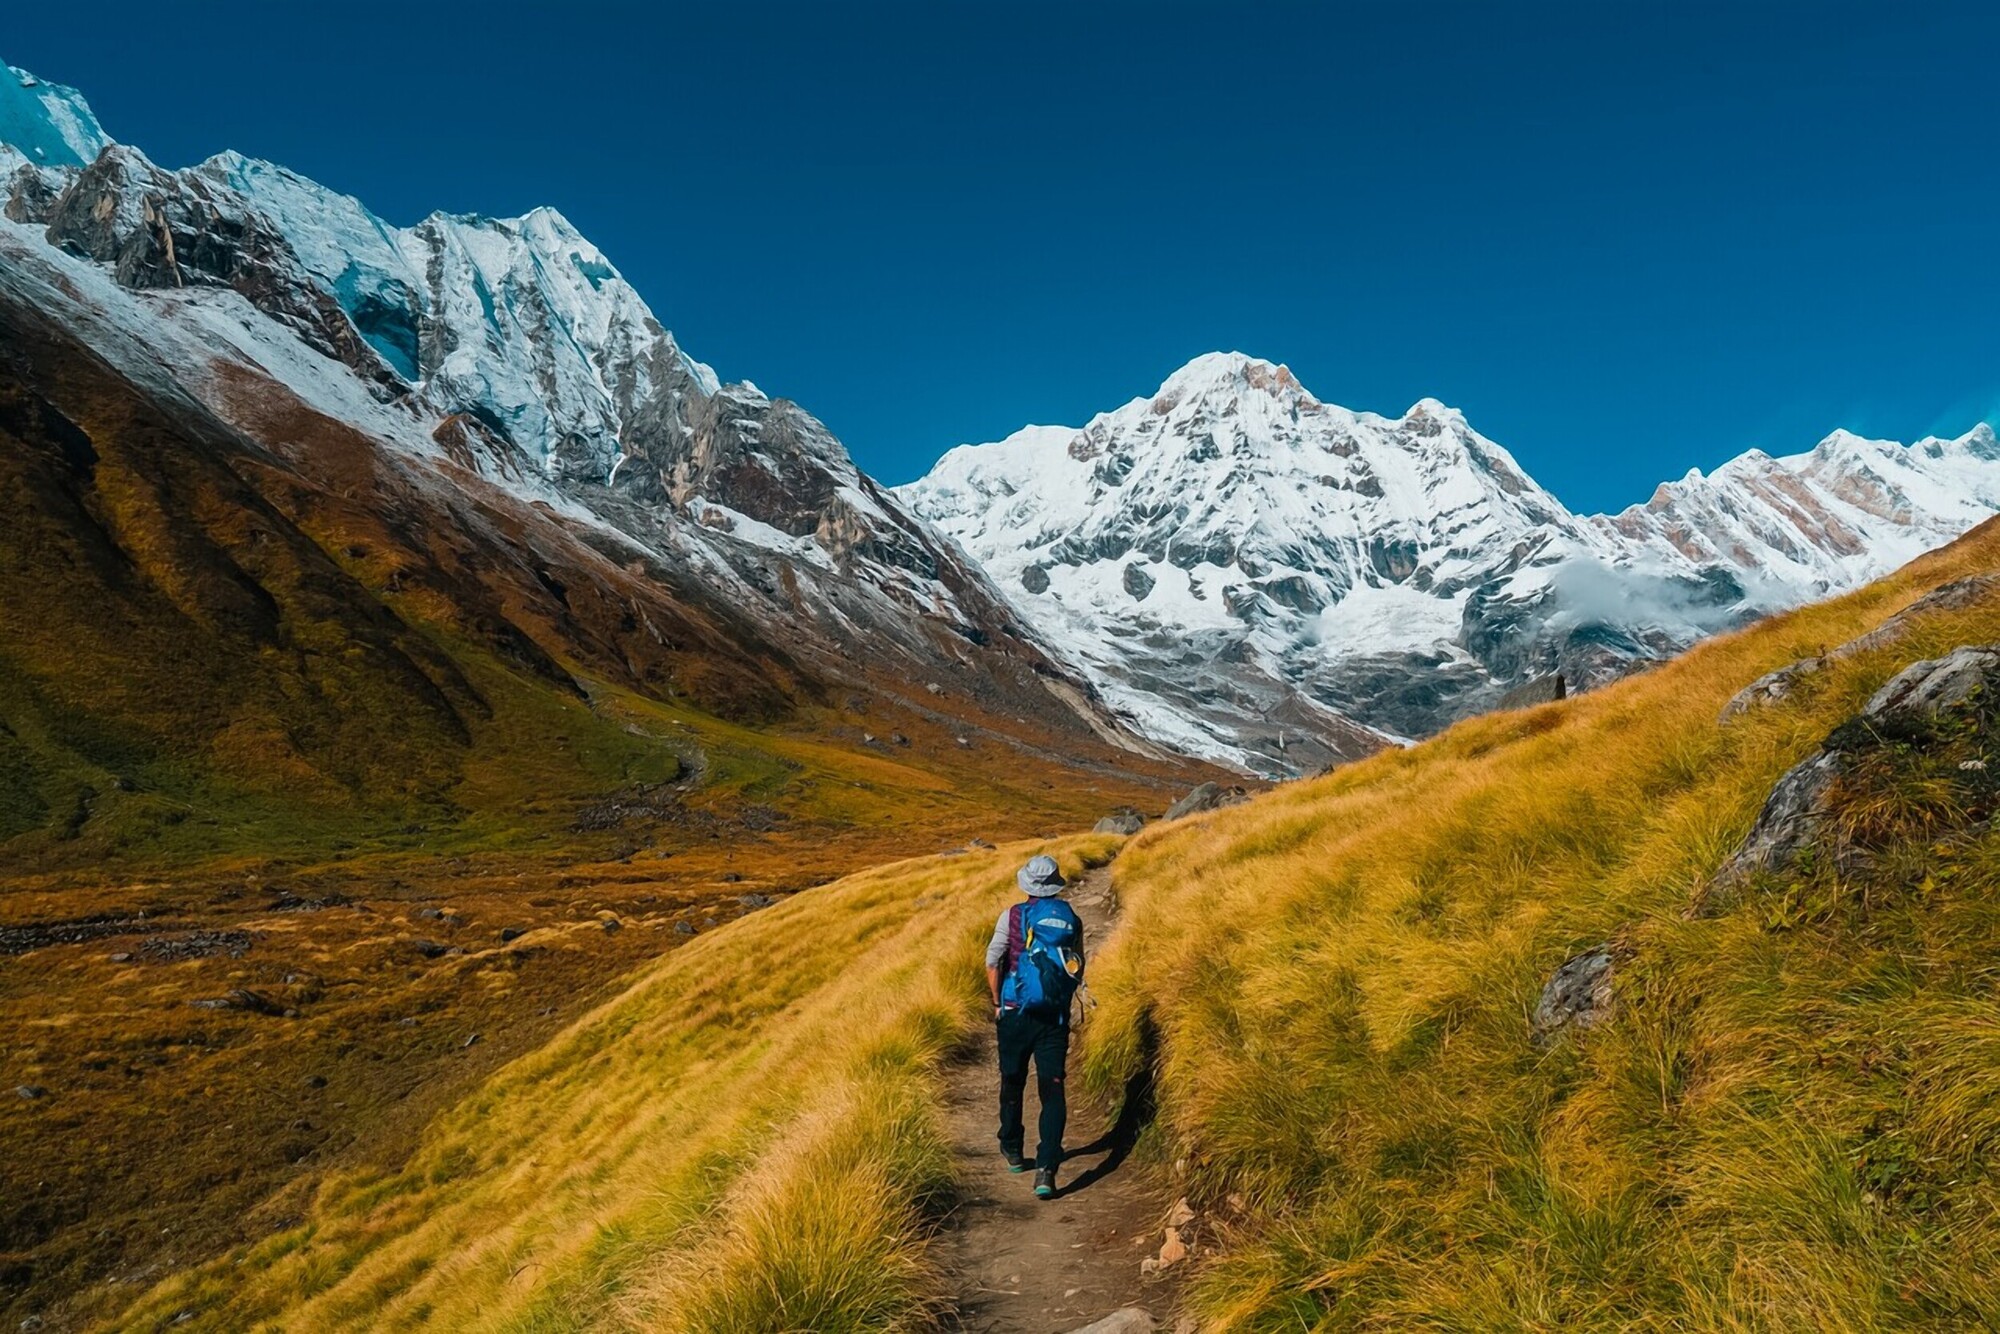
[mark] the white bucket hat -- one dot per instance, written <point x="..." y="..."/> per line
<point x="1041" y="878"/>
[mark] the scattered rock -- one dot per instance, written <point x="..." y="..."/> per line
<point x="315" y="1081"/>
<point x="684" y="928"/>
<point x="731" y="877"/>
<point x="430" y="949"/>
<point x="612" y="924"/>
<point x="508" y="933"/>
<point x="287" y="901"/>
<point x="242" y="998"/>
<point x="1207" y="797"/>
<point x="1578" y="996"/>
<point x="195" y="945"/>
<point x="1124" y="820"/>
<point x="31" y="1092"/>
<point x="1929" y="687"/>
<point x="1127" y="1320"/>
<point x="123" y="956"/>
<point x="469" y="1040"/>
<point x="1778" y="685"/>
<point x="898" y="739"/>
<point x="1790" y="820"/>
<point x="1541" y="690"/>
<point x="1769" y="688"/>
<point x="934" y="687"/>
<point x="430" y="914"/>
<point x="755" y="901"/>
<point x="977" y="845"/>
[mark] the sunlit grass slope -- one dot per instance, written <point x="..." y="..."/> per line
<point x="745" y="1139"/>
<point x="1790" y="1123"/>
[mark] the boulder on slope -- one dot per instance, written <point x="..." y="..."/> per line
<point x="1577" y="996"/>
<point x="1793" y="814"/>
<point x="1207" y="797"/>
<point x="1775" y="686"/>
<point x="1124" y="820"/>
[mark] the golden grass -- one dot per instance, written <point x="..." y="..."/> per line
<point x="1786" y="1125"/>
<point x="1789" y="1122"/>
<point x="746" y="1138"/>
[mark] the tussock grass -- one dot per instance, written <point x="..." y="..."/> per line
<point x="1787" y="1124"/>
<point x="745" y="1139"/>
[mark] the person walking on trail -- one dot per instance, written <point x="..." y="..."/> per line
<point x="1034" y="964"/>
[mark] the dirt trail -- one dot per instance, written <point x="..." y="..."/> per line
<point x="1028" y="1266"/>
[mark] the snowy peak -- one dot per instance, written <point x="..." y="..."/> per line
<point x="1244" y="568"/>
<point x="46" y="124"/>
<point x="1204" y="549"/>
<point x="507" y="355"/>
<point x="1805" y="525"/>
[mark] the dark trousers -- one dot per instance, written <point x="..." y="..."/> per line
<point x="1047" y="1042"/>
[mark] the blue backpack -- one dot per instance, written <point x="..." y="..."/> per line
<point x="1048" y="967"/>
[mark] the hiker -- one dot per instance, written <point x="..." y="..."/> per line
<point x="1034" y="964"/>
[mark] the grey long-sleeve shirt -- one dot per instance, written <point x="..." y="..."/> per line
<point x="996" y="948"/>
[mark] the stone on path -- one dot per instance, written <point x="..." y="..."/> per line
<point x="1129" y="1320"/>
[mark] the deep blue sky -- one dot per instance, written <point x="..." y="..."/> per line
<point x="1626" y="238"/>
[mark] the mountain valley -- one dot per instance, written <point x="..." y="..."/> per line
<point x="497" y="823"/>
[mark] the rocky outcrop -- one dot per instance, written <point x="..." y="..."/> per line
<point x="1124" y="820"/>
<point x="1779" y="685"/>
<point x="160" y="229"/>
<point x="1206" y="797"/>
<point x="1899" y="715"/>
<point x="1966" y="675"/>
<point x="1577" y="997"/>
<point x="1770" y="688"/>
<point x="1542" y="690"/>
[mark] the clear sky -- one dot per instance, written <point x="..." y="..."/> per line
<point x="1626" y="238"/>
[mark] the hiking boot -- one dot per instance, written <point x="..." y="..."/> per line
<point x="1015" y="1163"/>
<point x="1045" y="1184"/>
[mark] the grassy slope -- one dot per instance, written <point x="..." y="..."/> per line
<point x="1789" y="1124"/>
<point x="746" y="1138"/>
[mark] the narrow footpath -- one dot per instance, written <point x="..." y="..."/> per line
<point x="1028" y="1266"/>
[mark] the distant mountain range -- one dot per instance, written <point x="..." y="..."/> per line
<point x="1230" y="568"/>
<point x="1271" y="581"/>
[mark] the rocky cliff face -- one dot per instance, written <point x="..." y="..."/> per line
<point x="1272" y="581"/>
<point x="511" y="353"/>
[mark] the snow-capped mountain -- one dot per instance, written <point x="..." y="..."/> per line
<point x="1246" y="573"/>
<point x="509" y="359"/>
<point x="1271" y="581"/>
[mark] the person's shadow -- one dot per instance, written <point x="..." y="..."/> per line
<point x="1135" y="1112"/>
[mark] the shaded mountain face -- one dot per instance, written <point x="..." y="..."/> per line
<point x="1271" y="581"/>
<point x="250" y="426"/>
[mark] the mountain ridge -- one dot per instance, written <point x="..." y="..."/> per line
<point x="1398" y="572"/>
<point x="513" y="350"/>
